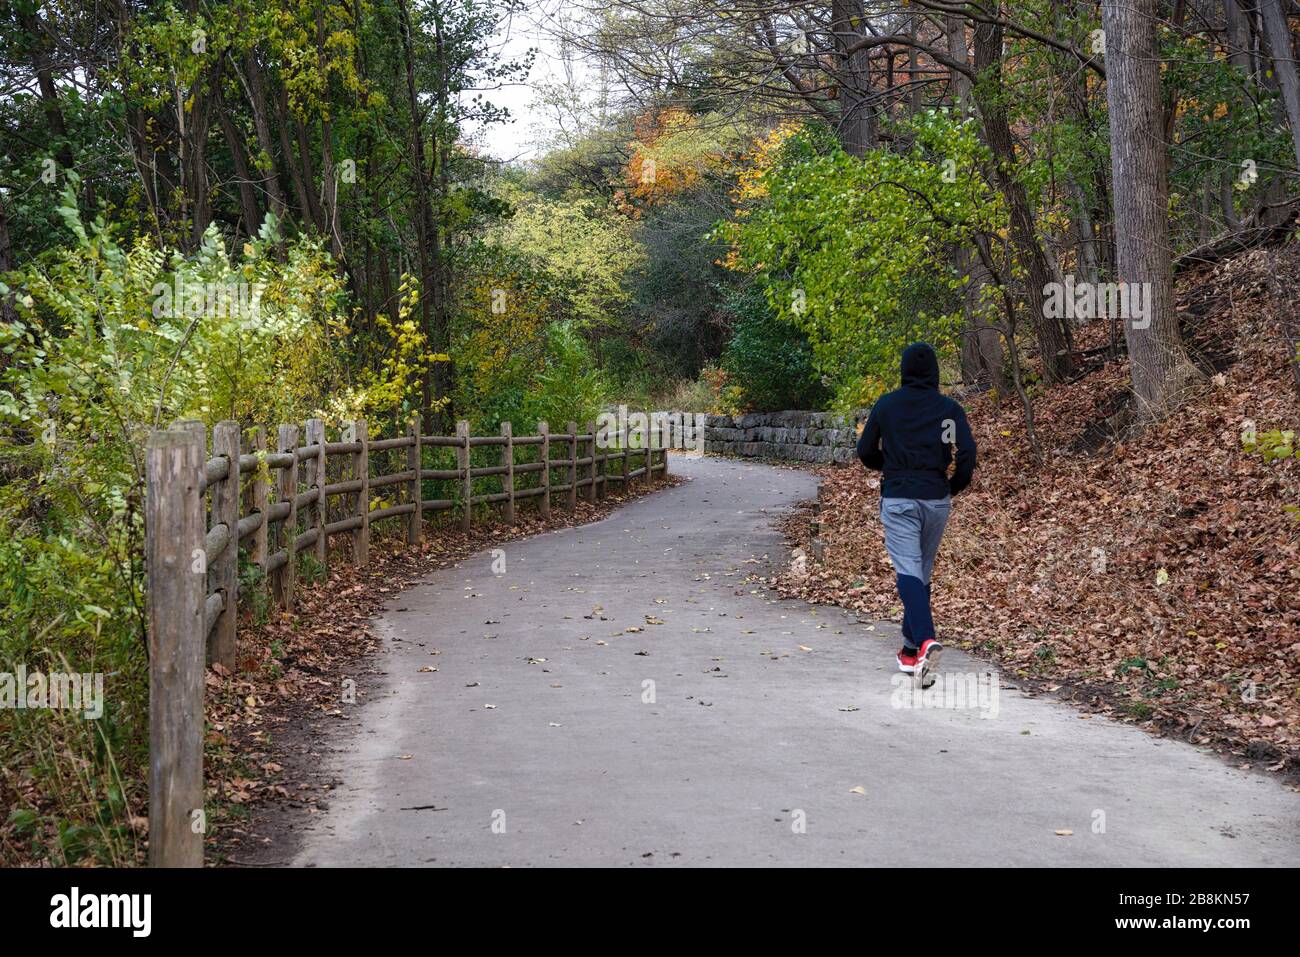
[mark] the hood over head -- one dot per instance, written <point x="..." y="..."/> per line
<point x="920" y="366"/>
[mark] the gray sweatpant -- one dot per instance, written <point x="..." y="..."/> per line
<point x="913" y="529"/>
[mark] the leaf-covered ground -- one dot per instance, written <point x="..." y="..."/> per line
<point x="1156" y="577"/>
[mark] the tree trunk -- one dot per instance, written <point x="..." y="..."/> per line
<point x="913" y="66"/>
<point x="193" y="122"/>
<point x="301" y="189"/>
<point x="441" y="148"/>
<point x="1087" y="239"/>
<point x="238" y="158"/>
<point x="983" y="363"/>
<point x="31" y="22"/>
<point x="857" y="126"/>
<point x="256" y="92"/>
<point x="1160" y="368"/>
<point x="1237" y="34"/>
<point x="955" y="33"/>
<point x="1009" y="333"/>
<point x="1278" y="34"/>
<point x="329" y="172"/>
<point x="146" y="168"/>
<point x="1209" y="195"/>
<point x="308" y="167"/>
<point x="196" y="175"/>
<point x="7" y="311"/>
<point x="423" y="213"/>
<point x="1053" y="345"/>
<point x="1228" y="199"/>
<point x="1237" y="39"/>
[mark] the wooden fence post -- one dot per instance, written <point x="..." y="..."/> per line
<point x="257" y="503"/>
<point x="591" y="489"/>
<point x="200" y="432"/>
<point x="656" y="439"/>
<point x="466" y="476"/>
<point x="676" y="440"/>
<point x="414" y="493"/>
<point x="317" y="480"/>
<point x="361" y="471"/>
<point x="604" y="464"/>
<point x="649" y="450"/>
<point x="508" y="480"/>
<point x="174" y="536"/>
<point x="544" y="430"/>
<point x="287" y="491"/>
<point x="624" y="440"/>
<point x="223" y="571"/>
<point x="603" y="489"/>
<point x="642" y="436"/>
<point x="673" y="440"/>
<point x="573" y="466"/>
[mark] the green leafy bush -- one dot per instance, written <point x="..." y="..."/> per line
<point x="855" y="252"/>
<point x="111" y="341"/>
<point x="569" y="387"/>
<point x="768" y="362"/>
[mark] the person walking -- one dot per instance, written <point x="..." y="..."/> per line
<point x="911" y="437"/>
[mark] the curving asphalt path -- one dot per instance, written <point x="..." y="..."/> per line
<point x="773" y="735"/>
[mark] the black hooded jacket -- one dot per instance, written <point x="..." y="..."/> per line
<point x="914" y="432"/>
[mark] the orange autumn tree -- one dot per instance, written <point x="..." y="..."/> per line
<point x="674" y="151"/>
<point x="751" y="184"/>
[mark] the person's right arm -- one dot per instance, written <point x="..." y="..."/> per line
<point x="964" y="454"/>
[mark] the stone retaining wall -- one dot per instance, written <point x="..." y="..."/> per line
<point x="818" y="437"/>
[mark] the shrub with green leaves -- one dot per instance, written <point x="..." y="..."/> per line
<point x="856" y="252"/>
<point x="111" y="340"/>
<point x="569" y="387"/>
<point x="769" y="362"/>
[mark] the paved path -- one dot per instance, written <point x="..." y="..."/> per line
<point x="532" y="745"/>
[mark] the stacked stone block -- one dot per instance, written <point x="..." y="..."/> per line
<point x="814" y="437"/>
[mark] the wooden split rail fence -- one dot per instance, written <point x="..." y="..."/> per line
<point x="203" y="507"/>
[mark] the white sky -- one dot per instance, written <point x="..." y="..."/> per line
<point x="518" y="139"/>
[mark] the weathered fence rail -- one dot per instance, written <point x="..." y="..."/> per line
<point x="204" y="505"/>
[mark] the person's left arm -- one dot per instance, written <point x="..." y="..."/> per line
<point x="869" y="451"/>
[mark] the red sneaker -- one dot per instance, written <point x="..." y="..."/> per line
<point x="906" y="661"/>
<point x="927" y="659"/>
